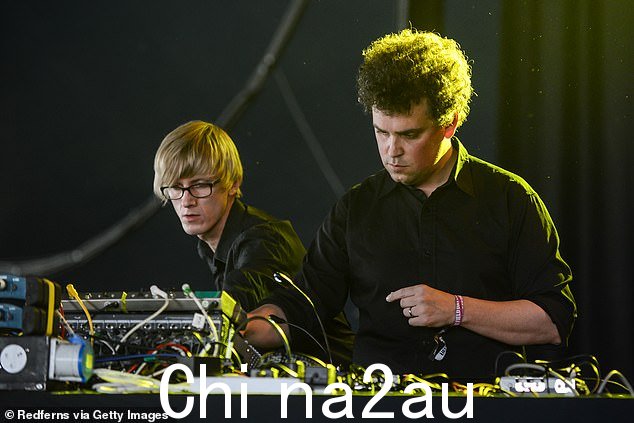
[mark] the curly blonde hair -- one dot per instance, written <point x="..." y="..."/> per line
<point x="399" y="70"/>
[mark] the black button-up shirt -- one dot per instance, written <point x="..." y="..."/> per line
<point x="252" y="247"/>
<point x="484" y="234"/>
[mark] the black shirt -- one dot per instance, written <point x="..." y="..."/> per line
<point x="484" y="234"/>
<point x="252" y="247"/>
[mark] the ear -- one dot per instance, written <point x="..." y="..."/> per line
<point x="233" y="190"/>
<point x="450" y="130"/>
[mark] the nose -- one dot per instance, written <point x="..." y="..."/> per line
<point x="188" y="200"/>
<point x="394" y="146"/>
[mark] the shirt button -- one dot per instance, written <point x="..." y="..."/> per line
<point x="427" y="252"/>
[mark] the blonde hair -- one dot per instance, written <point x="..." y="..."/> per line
<point x="197" y="148"/>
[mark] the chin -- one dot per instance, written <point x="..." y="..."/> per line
<point x="397" y="177"/>
<point x="190" y="231"/>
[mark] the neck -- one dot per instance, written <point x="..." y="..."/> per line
<point x="441" y="171"/>
<point x="212" y="238"/>
<point x="213" y="243"/>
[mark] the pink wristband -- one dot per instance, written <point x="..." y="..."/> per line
<point x="459" y="310"/>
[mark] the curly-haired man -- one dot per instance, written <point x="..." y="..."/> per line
<point x="450" y="259"/>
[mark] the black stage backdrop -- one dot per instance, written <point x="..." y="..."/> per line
<point x="565" y="124"/>
<point x="88" y="90"/>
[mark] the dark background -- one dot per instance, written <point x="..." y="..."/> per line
<point x="88" y="91"/>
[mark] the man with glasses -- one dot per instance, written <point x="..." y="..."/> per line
<point x="198" y="169"/>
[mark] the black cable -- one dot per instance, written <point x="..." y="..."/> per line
<point x="309" y="136"/>
<point x="87" y="250"/>
<point x="271" y="321"/>
<point x="109" y="340"/>
<point x="298" y="327"/>
<point x="108" y="358"/>
<point x="587" y="359"/>
<point x="227" y="119"/>
<point x="522" y="357"/>
<point x="232" y="113"/>
<point x="285" y="280"/>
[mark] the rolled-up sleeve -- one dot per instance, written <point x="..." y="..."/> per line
<point x="539" y="273"/>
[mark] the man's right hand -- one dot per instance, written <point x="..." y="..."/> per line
<point x="260" y="333"/>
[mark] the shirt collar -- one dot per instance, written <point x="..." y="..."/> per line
<point x="229" y="233"/>
<point x="461" y="172"/>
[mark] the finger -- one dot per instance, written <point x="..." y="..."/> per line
<point x="408" y="302"/>
<point x="414" y="321"/>
<point x="409" y="312"/>
<point x="401" y="293"/>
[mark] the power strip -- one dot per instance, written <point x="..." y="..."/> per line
<point x="538" y="386"/>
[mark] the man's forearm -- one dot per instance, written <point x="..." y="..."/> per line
<point x="262" y="334"/>
<point x="519" y="322"/>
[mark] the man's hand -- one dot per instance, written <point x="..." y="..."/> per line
<point x="261" y="333"/>
<point x="425" y="306"/>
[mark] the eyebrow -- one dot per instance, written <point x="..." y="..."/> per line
<point x="410" y="131"/>
<point x="199" y="181"/>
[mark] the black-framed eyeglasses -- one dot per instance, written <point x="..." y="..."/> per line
<point x="199" y="190"/>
